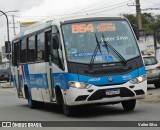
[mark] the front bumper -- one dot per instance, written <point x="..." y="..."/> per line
<point x="97" y="94"/>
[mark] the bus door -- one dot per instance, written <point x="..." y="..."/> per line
<point x="49" y="65"/>
<point x="16" y="69"/>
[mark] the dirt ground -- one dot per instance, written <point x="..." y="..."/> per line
<point x="153" y="95"/>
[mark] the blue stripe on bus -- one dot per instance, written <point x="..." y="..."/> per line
<point x="62" y="79"/>
<point x="116" y="79"/>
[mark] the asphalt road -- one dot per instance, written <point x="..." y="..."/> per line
<point x="14" y="109"/>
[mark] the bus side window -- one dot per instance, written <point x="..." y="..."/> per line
<point x="31" y="49"/>
<point x="40" y="47"/>
<point x="23" y="50"/>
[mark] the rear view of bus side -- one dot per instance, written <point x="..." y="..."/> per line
<point x="79" y="61"/>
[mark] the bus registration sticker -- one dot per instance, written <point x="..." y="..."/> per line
<point x="112" y="92"/>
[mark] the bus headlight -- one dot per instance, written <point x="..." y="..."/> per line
<point x="79" y="85"/>
<point x="138" y="79"/>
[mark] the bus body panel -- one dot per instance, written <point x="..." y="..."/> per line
<point x="36" y="76"/>
<point x="62" y="79"/>
<point x="73" y="94"/>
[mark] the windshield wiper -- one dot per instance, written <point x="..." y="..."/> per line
<point x="95" y="51"/>
<point x="114" y="51"/>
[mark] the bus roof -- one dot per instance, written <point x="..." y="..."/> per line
<point x="57" y="21"/>
<point x="65" y="19"/>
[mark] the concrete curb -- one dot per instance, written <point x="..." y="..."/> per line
<point x="6" y="85"/>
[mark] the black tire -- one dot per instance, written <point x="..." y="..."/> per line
<point x="67" y="110"/>
<point x="39" y="104"/>
<point x="129" y="105"/>
<point x="157" y="85"/>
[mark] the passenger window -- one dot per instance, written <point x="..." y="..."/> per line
<point x="23" y="49"/>
<point x="31" y="49"/>
<point x="40" y="47"/>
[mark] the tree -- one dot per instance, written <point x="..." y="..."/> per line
<point x="150" y="22"/>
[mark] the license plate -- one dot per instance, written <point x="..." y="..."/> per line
<point x="112" y="92"/>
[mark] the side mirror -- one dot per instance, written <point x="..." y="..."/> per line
<point x="55" y="41"/>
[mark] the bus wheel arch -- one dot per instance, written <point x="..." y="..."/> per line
<point x="59" y="96"/>
<point x="68" y="110"/>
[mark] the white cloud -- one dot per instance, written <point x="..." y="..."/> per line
<point x="57" y="7"/>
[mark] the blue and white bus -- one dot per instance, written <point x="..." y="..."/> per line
<point x="79" y="61"/>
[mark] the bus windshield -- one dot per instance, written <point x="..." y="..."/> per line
<point x="81" y="40"/>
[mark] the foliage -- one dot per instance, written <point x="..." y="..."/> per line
<point x="150" y="22"/>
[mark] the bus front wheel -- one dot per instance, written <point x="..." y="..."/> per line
<point x="68" y="110"/>
<point x="129" y="105"/>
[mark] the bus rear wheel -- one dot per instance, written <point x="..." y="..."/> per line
<point x="34" y="104"/>
<point x="31" y="103"/>
<point x="129" y="105"/>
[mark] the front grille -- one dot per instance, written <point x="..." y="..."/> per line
<point x="139" y="92"/>
<point x="108" y="71"/>
<point x="99" y="94"/>
<point x="81" y="97"/>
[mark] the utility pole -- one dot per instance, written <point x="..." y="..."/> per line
<point x="8" y="41"/>
<point x="139" y="17"/>
<point x="14" y="29"/>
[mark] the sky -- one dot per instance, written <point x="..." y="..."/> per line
<point x="37" y="10"/>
